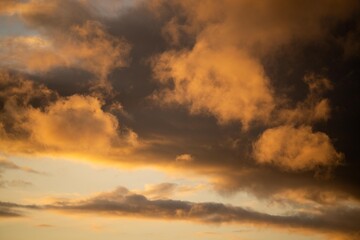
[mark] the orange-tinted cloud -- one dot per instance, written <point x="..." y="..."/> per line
<point x="59" y="125"/>
<point x="222" y="73"/>
<point x="295" y="148"/>
<point x="68" y="36"/>
<point x="75" y="122"/>
<point x="87" y="47"/>
<point x="167" y="190"/>
<point x="314" y="108"/>
<point x="184" y="158"/>
<point x="253" y="25"/>
<point x="223" y="81"/>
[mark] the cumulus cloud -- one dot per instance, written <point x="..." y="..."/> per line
<point x="34" y="119"/>
<point x="73" y="122"/>
<point x="295" y="148"/>
<point x="223" y="81"/>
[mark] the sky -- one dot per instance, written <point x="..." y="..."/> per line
<point x="179" y="119"/>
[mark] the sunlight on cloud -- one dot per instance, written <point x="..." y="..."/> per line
<point x="296" y="148"/>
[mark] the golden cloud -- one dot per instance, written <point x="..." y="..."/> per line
<point x="86" y="46"/>
<point x="74" y="122"/>
<point x="224" y="81"/>
<point x="74" y="125"/>
<point x="295" y="148"/>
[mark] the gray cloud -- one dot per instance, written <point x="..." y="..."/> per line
<point x="121" y="202"/>
<point x="5" y="213"/>
<point x="8" y="209"/>
<point x="286" y="41"/>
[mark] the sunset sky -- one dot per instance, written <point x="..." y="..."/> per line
<point x="179" y="119"/>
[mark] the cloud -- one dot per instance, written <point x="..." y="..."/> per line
<point x="73" y="122"/>
<point x="312" y="199"/>
<point x="123" y="203"/>
<point x="77" y="40"/>
<point x="314" y="108"/>
<point x="255" y="25"/>
<point x="35" y="120"/>
<point x="78" y="123"/>
<point x="184" y="158"/>
<point x="215" y="64"/>
<point x="6" y="164"/>
<point x="223" y="81"/>
<point x="159" y="191"/>
<point x="221" y="73"/>
<point x="167" y="190"/>
<point x="6" y="214"/>
<point x="86" y="47"/>
<point x="8" y="209"/>
<point x="295" y="148"/>
<point x="46" y="14"/>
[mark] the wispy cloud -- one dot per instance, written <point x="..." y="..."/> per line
<point x="6" y="164"/>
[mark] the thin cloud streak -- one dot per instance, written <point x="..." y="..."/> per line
<point x="6" y="164"/>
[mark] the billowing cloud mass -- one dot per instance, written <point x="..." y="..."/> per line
<point x="246" y="102"/>
<point x="294" y="148"/>
<point x="36" y="119"/>
<point x="74" y="122"/>
<point x="234" y="88"/>
<point x="222" y="73"/>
